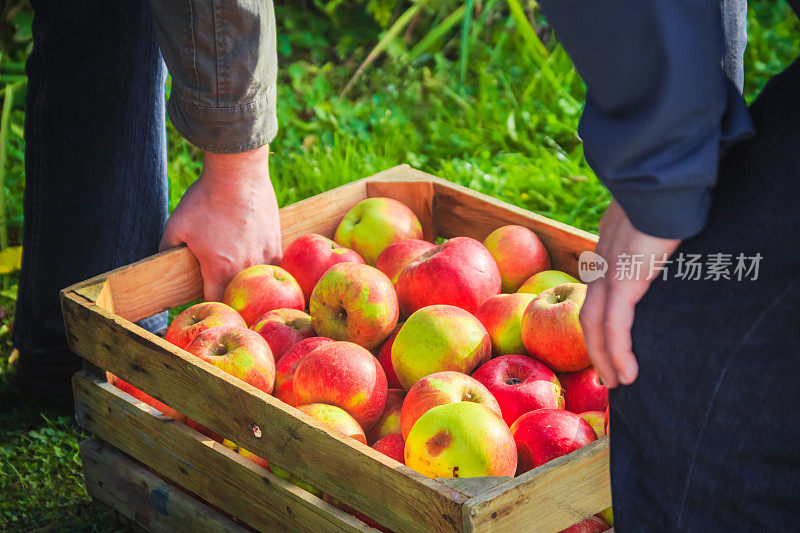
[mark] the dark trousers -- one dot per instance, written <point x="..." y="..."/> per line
<point x="708" y="437"/>
<point x="95" y="163"/>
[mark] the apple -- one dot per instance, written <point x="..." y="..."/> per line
<point x="519" y="254"/>
<point x="592" y="524"/>
<point x="282" y="329"/>
<point x="442" y="388"/>
<point x="296" y="481"/>
<point x="375" y="223"/>
<point x="345" y="375"/>
<point x="385" y="359"/>
<point x="261" y="288"/>
<point x="240" y="352"/>
<point x="545" y="434"/>
<point x="459" y="272"/>
<point x="583" y="391"/>
<point x="335" y="418"/>
<point x="395" y="257"/>
<point x="389" y="421"/>
<point x="392" y="446"/>
<point x="200" y="428"/>
<point x="308" y="257"/>
<point x="439" y="338"/>
<point x="607" y="426"/>
<point x="501" y="315"/>
<point x="607" y="515"/>
<point x="463" y="439"/>
<point x="546" y="279"/>
<point x="359" y="515"/>
<point x="165" y="409"/>
<point x="200" y="317"/>
<point x="520" y="384"/>
<point x="551" y="330"/>
<point x="596" y="419"/>
<point x="263" y="463"/>
<point x="355" y="303"/>
<point x="285" y="368"/>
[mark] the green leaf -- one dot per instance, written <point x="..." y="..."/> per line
<point x="10" y="259"/>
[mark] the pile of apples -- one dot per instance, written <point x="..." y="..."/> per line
<point x="461" y="359"/>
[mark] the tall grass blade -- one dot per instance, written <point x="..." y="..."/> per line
<point x="395" y="30"/>
<point x="435" y="34"/>
<point x="463" y="56"/>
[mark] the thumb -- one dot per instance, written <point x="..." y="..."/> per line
<point x="170" y="239"/>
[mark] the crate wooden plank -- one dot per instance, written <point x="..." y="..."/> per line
<point x="350" y="471"/>
<point x="220" y="476"/>
<point x="148" y="501"/>
<point x="551" y="497"/>
<point x="461" y="211"/>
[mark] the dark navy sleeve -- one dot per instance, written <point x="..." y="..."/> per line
<point x="659" y="108"/>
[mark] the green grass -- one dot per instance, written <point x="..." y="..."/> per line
<point x="488" y="110"/>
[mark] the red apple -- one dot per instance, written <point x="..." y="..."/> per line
<point x="385" y="359"/>
<point x="355" y="303"/>
<point x="349" y="510"/>
<point x="239" y="352"/>
<point x="261" y="288"/>
<point x="459" y="272"/>
<point x="592" y="524"/>
<point x="282" y="329"/>
<point x="200" y="428"/>
<point x="389" y="422"/>
<point x="285" y="368"/>
<point x="335" y="418"/>
<point x="519" y="254"/>
<point x="583" y="391"/>
<point x="596" y="419"/>
<point x="439" y="338"/>
<point x="392" y="446"/>
<point x="463" y="439"/>
<point x="200" y="317"/>
<point x="308" y="257"/>
<point x="607" y="426"/>
<point x="345" y="375"/>
<point x="545" y="434"/>
<point x="520" y="384"/>
<point x="551" y="330"/>
<point x="442" y="388"/>
<point x="375" y="223"/>
<point x="395" y="257"/>
<point x="124" y="386"/>
<point x="501" y="315"/>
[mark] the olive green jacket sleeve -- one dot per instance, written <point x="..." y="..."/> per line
<point x="222" y="58"/>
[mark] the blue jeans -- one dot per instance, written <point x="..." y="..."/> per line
<point x="707" y="438"/>
<point x="95" y="163"/>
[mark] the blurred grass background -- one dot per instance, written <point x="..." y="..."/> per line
<point x="478" y="92"/>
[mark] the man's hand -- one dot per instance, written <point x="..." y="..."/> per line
<point x="228" y="218"/>
<point x="607" y="313"/>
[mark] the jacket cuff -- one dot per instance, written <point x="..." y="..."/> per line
<point x="667" y="213"/>
<point x="225" y="130"/>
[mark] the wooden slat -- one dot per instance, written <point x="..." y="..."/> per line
<point x="549" y="498"/>
<point x="148" y="501"/>
<point x="350" y="471"/>
<point x="321" y="213"/>
<point x="415" y="193"/>
<point x="220" y="476"/>
<point x="461" y="211"/>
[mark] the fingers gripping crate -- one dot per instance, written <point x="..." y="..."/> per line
<point x="162" y="468"/>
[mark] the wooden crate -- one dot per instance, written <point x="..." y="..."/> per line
<point x="100" y="315"/>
